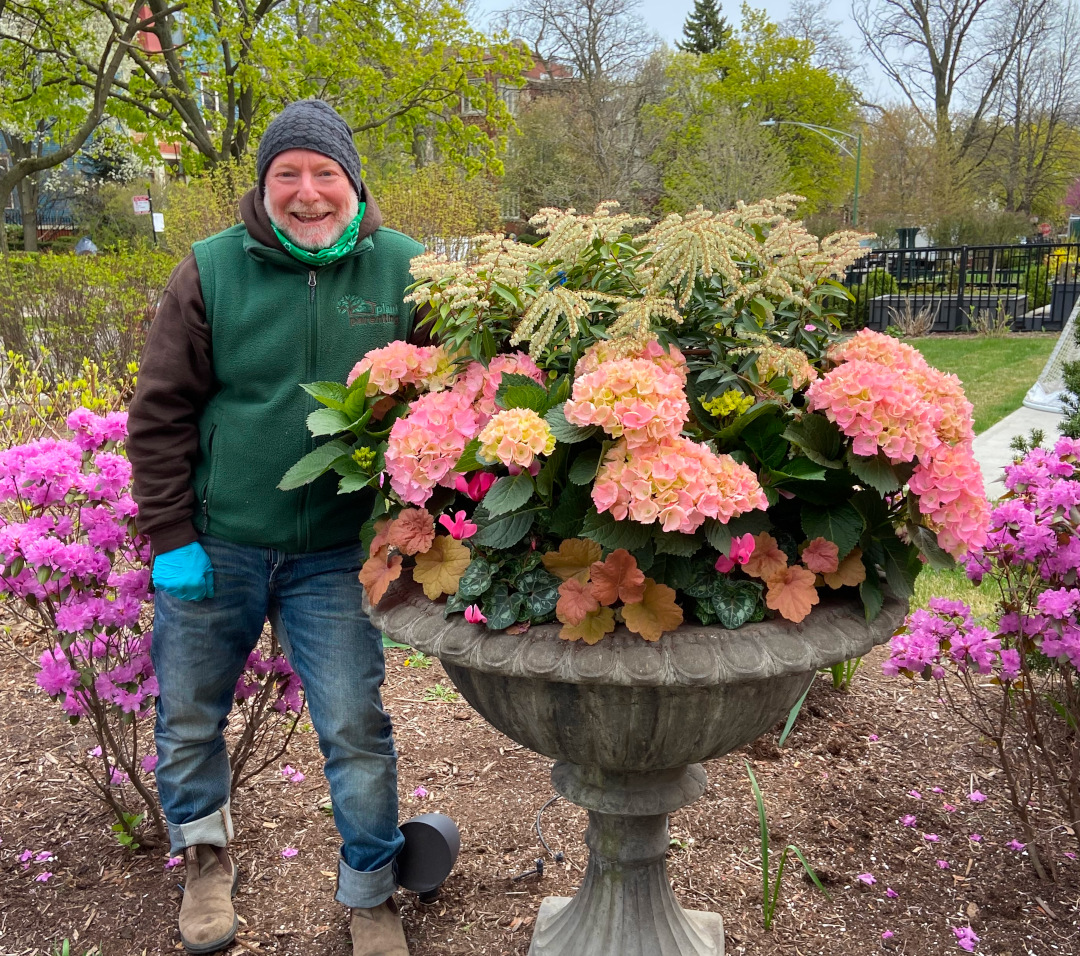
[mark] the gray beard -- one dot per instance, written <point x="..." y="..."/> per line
<point x="347" y="215"/>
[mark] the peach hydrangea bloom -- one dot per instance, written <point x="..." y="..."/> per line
<point x="879" y="408"/>
<point x="425" y="445"/>
<point x="399" y="364"/>
<point x="480" y="384"/>
<point x="516" y="436"/>
<point x="669" y="359"/>
<point x="677" y="482"/>
<point x="949" y="484"/>
<point x="869" y="346"/>
<point x="947" y="393"/>
<point x="633" y="399"/>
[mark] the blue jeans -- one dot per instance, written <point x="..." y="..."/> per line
<point x="199" y="649"/>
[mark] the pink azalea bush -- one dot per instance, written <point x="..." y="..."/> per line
<point x="73" y="565"/>
<point x="1018" y="682"/>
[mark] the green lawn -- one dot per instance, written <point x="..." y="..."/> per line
<point x="996" y="372"/>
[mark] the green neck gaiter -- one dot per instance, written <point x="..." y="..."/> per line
<point x="323" y="257"/>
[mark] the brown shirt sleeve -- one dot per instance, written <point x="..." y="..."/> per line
<point x="176" y="379"/>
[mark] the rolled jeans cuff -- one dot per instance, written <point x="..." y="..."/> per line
<point x="215" y="829"/>
<point x="362" y="891"/>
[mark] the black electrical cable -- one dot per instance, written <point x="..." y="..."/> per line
<point x="558" y="857"/>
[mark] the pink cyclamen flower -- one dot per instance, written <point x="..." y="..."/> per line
<point x="1016" y="845"/>
<point x="742" y="547"/>
<point x="891" y="893"/>
<point x="942" y="864"/>
<point x="908" y="820"/>
<point x="289" y="852"/>
<point x="458" y="528"/>
<point x="474" y="615"/>
<point x="976" y="797"/>
<point x="965" y="937"/>
<point x="43" y="877"/>
<point x="868" y="878"/>
<point x="475" y="487"/>
<point x="419" y="793"/>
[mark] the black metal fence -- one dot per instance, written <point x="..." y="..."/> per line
<point x="1032" y="287"/>
<point x="54" y="221"/>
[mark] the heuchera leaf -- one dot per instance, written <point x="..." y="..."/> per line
<point x="573" y="559"/>
<point x="378" y="572"/>
<point x="595" y="626"/>
<point x="576" y="601"/>
<point x="440" y="569"/>
<point x="768" y="560"/>
<point x="617" y="578"/>
<point x="792" y="593"/>
<point x="852" y="571"/>
<point x="655" y="613"/>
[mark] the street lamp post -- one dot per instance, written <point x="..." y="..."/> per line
<point x="843" y="147"/>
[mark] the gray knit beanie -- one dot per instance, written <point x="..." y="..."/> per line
<point x="309" y="124"/>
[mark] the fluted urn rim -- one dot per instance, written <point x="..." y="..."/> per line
<point x="693" y="655"/>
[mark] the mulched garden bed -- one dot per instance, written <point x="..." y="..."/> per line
<point x="838" y="789"/>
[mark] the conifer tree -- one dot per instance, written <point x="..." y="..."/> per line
<point x="706" y="30"/>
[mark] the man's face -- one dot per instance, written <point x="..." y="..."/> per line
<point x="309" y="198"/>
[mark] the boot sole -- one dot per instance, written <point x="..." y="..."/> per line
<point x="200" y="949"/>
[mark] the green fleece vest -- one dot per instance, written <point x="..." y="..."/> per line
<point x="276" y="323"/>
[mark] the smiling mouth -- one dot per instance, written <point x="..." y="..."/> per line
<point x="309" y="219"/>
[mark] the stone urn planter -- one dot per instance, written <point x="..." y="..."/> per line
<point x="628" y="723"/>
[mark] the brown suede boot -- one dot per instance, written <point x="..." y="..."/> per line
<point x="207" y="920"/>
<point x="378" y="932"/>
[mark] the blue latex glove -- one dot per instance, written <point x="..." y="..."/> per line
<point x="185" y="573"/>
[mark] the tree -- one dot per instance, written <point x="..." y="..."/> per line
<point x="598" y="136"/>
<point x="763" y="74"/>
<point x="213" y="74"/>
<point x="810" y="20"/>
<point x="705" y="30"/>
<point x="57" y="67"/>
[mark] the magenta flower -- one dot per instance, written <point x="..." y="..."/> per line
<point x="173" y="861"/>
<point x="474" y="615"/>
<point x="148" y="764"/>
<point x="948" y="808"/>
<point x="43" y="877"/>
<point x="908" y="820"/>
<point x="942" y="864"/>
<point x="965" y="937"/>
<point x="289" y="852"/>
<point x="419" y="793"/>
<point x="458" y="528"/>
<point x="975" y="838"/>
<point x="742" y="547"/>
<point x="936" y="790"/>
<point x="1015" y="845"/>
<point x="872" y="738"/>
<point x="868" y="878"/>
<point x="43" y="857"/>
<point x="888" y="934"/>
<point x="932" y="837"/>
<point x="475" y="487"/>
<point x="297" y="777"/>
<point x="891" y="893"/>
<point x="976" y="797"/>
<point x="915" y="794"/>
<point x="26" y="855"/>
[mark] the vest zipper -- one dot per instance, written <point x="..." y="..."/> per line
<point x="303" y="519"/>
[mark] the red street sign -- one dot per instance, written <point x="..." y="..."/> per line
<point x="141" y="205"/>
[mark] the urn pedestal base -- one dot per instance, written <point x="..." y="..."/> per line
<point x="708" y="928"/>
<point x="625" y="906"/>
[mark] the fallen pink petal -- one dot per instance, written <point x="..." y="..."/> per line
<point x="289" y="852"/>
<point x="915" y="794"/>
<point x="297" y="777"/>
<point x="173" y="861"/>
<point x="891" y="893"/>
<point x="867" y="878"/>
<point x="932" y="837"/>
<point x="43" y="877"/>
<point x="1016" y="845"/>
<point x="965" y="937"/>
<point x="908" y="820"/>
<point x="942" y="864"/>
<point x="975" y="838"/>
<point x="976" y="797"/>
<point x="420" y="793"/>
<point x="948" y="808"/>
<point x="888" y="934"/>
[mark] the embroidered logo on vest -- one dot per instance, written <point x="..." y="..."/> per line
<point x="364" y="312"/>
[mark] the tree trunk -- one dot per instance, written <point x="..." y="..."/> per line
<point x="28" y="201"/>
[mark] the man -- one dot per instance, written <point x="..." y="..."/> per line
<point x="297" y="293"/>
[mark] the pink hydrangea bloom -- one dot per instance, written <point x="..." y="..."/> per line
<point x="425" y="445"/>
<point x="670" y="359"/>
<point x="400" y="364"/>
<point x="677" y="482"/>
<point x="949" y="484"/>
<point x="479" y="385"/>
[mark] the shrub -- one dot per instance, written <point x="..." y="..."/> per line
<point x="205" y="206"/>
<point x="73" y="567"/>
<point x="1016" y="681"/>
<point x="1037" y="286"/>
<point x="1070" y="426"/>
<point x="59" y="310"/>
<point x="877" y="282"/>
<point x="993" y="323"/>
